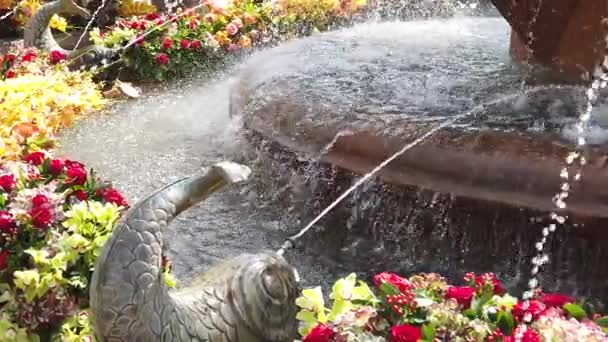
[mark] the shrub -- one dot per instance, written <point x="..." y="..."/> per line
<point x="426" y="308"/>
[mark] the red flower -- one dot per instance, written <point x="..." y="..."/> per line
<point x="196" y="44"/>
<point x="161" y="58"/>
<point x="80" y="195"/>
<point x="134" y="25"/>
<point x="35" y="158"/>
<point x="535" y="308"/>
<point x="8" y="182"/>
<point x="9" y="57"/>
<point x="320" y="333"/>
<point x="167" y="43"/>
<point x="56" y="56"/>
<point x="402" y="284"/>
<point x="29" y="56"/>
<point x="39" y="200"/>
<point x="3" y="259"/>
<point x="56" y="166"/>
<point x="71" y="163"/>
<point x="462" y="294"/>
<point x="405" y="333"/>
<point x="192" y="24"/>
<point x="159" y="21"/>
<point x="42" y="216"/>
<point x="184" y="44"/>
<point x="152" y="16"/>
<point x="76" y="175"/>
<point x="112" y="196"/>
<point x="556" y="300"/>
<point x="10" y="74"/>
<point x="528" y="336"/>
<point x="7" y="223"/>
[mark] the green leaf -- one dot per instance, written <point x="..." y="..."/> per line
<point x="575" y="311"/>
<point x="479" y="301"/>
<point x="428" y="332"/>
<point x="505" y="322"/>
<point x="602" y="321"/>
<point x="389" y="289"/>
<point x="470" y="313"/>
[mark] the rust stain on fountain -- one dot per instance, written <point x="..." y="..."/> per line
<point x="566" y="35"/>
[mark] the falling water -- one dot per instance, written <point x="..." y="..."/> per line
<point x="599" y="81"/>
<point x="89" y="23"/>
<point x="289" y="243"/>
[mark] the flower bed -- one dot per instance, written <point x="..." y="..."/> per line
<point x="38" y="96"/>
<point x="54" y="219"/>
<point x="200" y="39"/>
<point x="426" y="308"/>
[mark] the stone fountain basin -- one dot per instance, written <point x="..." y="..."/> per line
<point x="374" y="88"/>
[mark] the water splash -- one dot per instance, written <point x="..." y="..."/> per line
<point x="599" y="81"/>
<point x="89" y="23"/>
<point x="290" y="242"/>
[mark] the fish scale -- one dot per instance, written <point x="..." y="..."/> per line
<point x="130" y="302"/>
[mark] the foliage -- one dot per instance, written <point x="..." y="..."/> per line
<point x="425" y="308"/>
<point x="194" y="40"/>
<point x="40" y="96"/>
<point x="54" y="219"/>
<point x="23" y="11"/>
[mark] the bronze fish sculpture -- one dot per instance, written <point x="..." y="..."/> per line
<point x="37" y="33"/>
<point x="250" y="298"/>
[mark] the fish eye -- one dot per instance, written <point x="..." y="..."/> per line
<point x="272" y="283"/>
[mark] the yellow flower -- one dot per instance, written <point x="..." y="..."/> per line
<point x="59" y="23"/>
<point x="223" y="38"/>
<point x="129" y="8"/>
<point x="245" y="42"/>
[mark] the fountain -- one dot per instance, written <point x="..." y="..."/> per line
<point x="472" y="197"/>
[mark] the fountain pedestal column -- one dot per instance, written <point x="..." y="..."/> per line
<point x="564" y="35"/>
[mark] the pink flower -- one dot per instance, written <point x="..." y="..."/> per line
<point x="405" y="333"/>
<point x="196" y="44"/>
<point x="192" y="24"/>
<point x="80" y="195"/>
<point x="8" y="182"/>
<point x="528" y="336"/>
<point x="402" y="284"/>
<point x="42" y="217"/>
<point x="237" y="22"/>
<point x="10" y="58"/>
<point x="7" y="223"/>
<point x="56" y="56"/>
<point x="320" y="333"/>
<point x="167" y="43"/>
<point x="10" y="74"/>
<point x="29" y="56"/>
<point x="535" y="308"/>
<point x="35" y="158"/>
<point x="232" y="29"/>
<point x="3" y="259"/>
<point x="161" y="58"/>
<point x="39" y="200"/>
<point x="76" y="175"/>
<point x="462" y="294"/>
<point x="56" y="166"/>
<point x="184" y="44"/>
<point x="210" y="18"/>
<point x="556" y="300"/>
<point x="111" y="195"/>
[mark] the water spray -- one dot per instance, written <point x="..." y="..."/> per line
<point x="290" y="241"/>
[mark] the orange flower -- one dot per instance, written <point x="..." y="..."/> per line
<point x="249" y="19"/>
<point x="222" y="38"/>
<point x="245" y="42"/>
